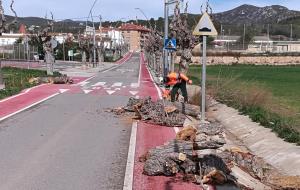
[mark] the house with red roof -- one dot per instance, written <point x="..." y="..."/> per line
<point x="134" y="35"/>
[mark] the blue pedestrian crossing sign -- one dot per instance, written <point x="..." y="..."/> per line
<point x="170" y="44"/>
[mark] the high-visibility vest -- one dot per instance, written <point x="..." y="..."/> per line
<point x="175" y="78"/>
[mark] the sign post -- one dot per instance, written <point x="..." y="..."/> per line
<point x="70" y="54"/>
<point x="170" y="45"/>
<point x="204" y="28"/>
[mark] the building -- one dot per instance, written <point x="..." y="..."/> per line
<point x="10" y="39"/>
<point x="135" y="36"/>
<point x="286" y="46"/>
<point x="226" y="39"/>
<point x="261" y="44"/>
<point x="115" y="36"/>
<point x="266" y="44"/>
<point x="223" y="42"/>
<point x="63" y="37"/>
<point x="111" y="37"/>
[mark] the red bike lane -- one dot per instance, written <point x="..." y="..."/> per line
<point x="148" y="137"/>
<point x="32" y="96"/>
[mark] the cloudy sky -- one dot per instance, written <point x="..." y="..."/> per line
<point x="116" y="9"/>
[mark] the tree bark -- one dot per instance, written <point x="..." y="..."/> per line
<point x="83" y="58"/>
<point x="190" y="110"/>
<point x="50" y="63"/>
<point x="2" y="85"/>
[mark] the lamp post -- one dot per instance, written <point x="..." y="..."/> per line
<point x="94" y="32"/>
<point x="143" y="13"/>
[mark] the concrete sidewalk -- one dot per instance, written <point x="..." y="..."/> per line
<point x="261" y="141"/>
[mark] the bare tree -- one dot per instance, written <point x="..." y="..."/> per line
<point x="48" y="45"/>
<point x="153" y="47"/>
<point x="5" y="27"/>
<point x="86" y="48"/>
<point x="185" y="40"/>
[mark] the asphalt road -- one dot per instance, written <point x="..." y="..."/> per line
<point x="69" y="142"/>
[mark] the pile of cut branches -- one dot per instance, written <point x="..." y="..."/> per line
<point x="161" y="112"/>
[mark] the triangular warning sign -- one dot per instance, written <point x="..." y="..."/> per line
<point x="205" y="27"/>
<point x="170" y="44"/>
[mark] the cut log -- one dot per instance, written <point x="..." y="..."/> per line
<point x="190" y="110"/>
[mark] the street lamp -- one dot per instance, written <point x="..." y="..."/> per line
<point x="94" y="32"/>
<point x="139" y="9"/>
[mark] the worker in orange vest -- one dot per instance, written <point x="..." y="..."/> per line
<point x="178" y="81"/>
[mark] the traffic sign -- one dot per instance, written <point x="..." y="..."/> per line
<point x="70" y="53"/>
<point x="205" y="27"/>
<point x="170" y="44"/>
<point x="53" y="43"/>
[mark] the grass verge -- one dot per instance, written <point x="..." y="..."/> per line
<point x="269" y="95"/>
<point x="16" y="80"/>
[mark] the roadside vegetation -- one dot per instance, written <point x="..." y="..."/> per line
<point x="268" y="94"/>
<point x="17" y="79"/>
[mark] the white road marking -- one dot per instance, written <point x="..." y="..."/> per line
<point x="34" y="104"/>
<point x="63" y="90"/>
<point x="96" y="88"/>
<point x="157" y="88"/>
<point x="25" y="92"/>
<point x="99" y="84"/>
<point x="123" y="61"/>
<point x="128" y="181"/>
<point x="117" y="84"/>
<point x="118" y="89"/>
<point x="176" y="129"/>
<point x="87" y="91"/>
<point x="83" y="82"/>
<point x="29" y="89"/>
<point x="110" y="92"/>
<point x="134" y="85"/>
<point x="107" y="88"/>
<point x="133" y="92"/>
<point x="12" y="97"/>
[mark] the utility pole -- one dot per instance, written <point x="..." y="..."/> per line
<point x="64" y="51"/>
<point x="94" y="41"/>
<point x="143" y="13"/>
<point x="222" y="31"/>
<point x="244" y="36"/>
<point x="291" y="38"/>
<point x="166" y="35"/>
<point x="165" y="53"/>
<point x="268" y="36"/>
<point x="94" y="32"/>
<point x="100" y="27"/>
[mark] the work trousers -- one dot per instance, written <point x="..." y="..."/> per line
<point x="182" y="86"/>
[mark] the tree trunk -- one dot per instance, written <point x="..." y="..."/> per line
<point x="190" y="110"/>
<point x="99" y="56"/>
<point x="83" y="58"/>
<point x="49" y="63"/>
<point x="2" y="85"/>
